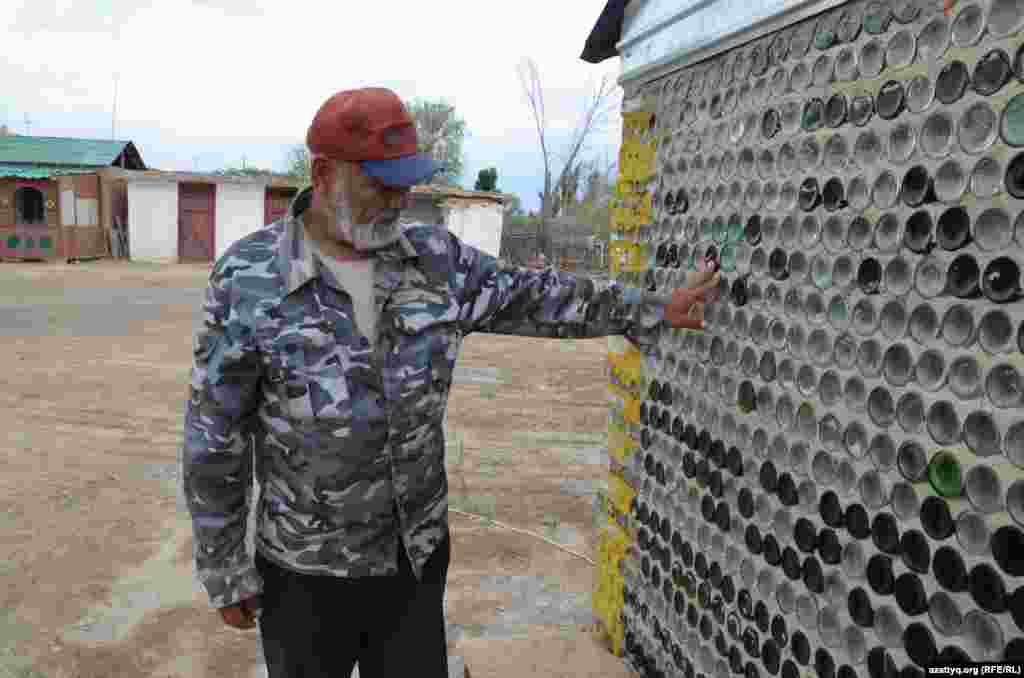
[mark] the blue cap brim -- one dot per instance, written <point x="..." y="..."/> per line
<point x="407" y="171"/>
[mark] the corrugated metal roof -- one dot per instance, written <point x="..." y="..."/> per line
<point x="24" y="171"/>
<point x="59" y="150"/>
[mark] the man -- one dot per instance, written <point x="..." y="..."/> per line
<point x="329" y="341"/>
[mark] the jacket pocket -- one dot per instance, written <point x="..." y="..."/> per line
<point x="416" y="310"/>
<point x="309" y="393"/>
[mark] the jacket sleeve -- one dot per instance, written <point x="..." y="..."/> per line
<point x="499" y="298"/>
<point x="217" y="456"/>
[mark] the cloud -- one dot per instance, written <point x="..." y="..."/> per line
<point x="224" y="75"/>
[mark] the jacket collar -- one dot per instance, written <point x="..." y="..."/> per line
<point x="299" y="261"/>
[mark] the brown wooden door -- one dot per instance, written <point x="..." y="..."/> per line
<point x="195" y="222"/>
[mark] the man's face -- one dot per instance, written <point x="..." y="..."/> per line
<point x="359" y="209"/>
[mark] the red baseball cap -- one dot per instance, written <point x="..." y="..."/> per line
<point x="371" y="126"/>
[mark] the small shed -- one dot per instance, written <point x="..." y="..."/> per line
<point x="54" y="203"/>
<point x="476" y="217"/>
<point x="192" y="217"/>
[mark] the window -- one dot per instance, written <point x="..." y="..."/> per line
<point x="30" y="206"/>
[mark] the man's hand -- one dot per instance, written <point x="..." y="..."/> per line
<point x="243" y="614"/>
<point x="685" y="309"/>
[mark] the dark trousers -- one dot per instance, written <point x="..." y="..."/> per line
<point x="316" y="626"/>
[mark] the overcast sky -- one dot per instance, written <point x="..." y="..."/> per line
<point x="203" y="83"/>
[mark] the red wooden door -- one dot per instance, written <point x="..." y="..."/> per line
<point x="277" y="202"/>
<point x="195" y="222"/>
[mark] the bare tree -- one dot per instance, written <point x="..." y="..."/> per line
<point x="562" y="178"/>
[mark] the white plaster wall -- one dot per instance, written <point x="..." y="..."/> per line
<point x="477" y="225"/>
<point x="153" y="221"/>
<point x="239" y="212"/>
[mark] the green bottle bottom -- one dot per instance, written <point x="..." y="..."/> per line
<point x="944" y="474"/>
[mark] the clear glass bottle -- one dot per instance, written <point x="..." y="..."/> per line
<point x="898" y="365"/>
<point x="972" y="531"/>
<point x="983" y="489"/>
<point x="881" y="408"/>
<point x="889" y="233"/>
<point x="937" y="134"/>
<point x="888" y="627"/>
<point x="968" y="25"/>
<point x="1004" y="387"/>
<point x="855" y="394"/>
<point x="870" y="359"/>
<point x="987" y="177"/>
<point x="978" y="127"/>
<point x="1015" y="501"/>
<point x="894" y="319"/>
<point x="965" y="377"/>
<point x="958" y="328"/>
<point x="983" y="635"/>
<point x="834" y="236"/>
<point x="924" y="325"/>
<point x="951" y="180"/>
<point x="829" y="388"/>
<point x="855" y="440"/>
<point x="898" y="276"/>
<point x="860" y="234"/>
<point x="930" y="370"/>
<point x="996" y="332"/>
<point x="871" y="59"/>
<point x="864" y="317"/>
<point x="844" y="271"/>
<point x="905" y="504"/>
<point x="900" y="51"/>
<point x="910" y="412"/>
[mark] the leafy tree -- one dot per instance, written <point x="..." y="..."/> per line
<point x="514" y="206"/>
<point x="300" y="166"/>
<point x="440" y="132"/>
<point x="487" y="180"/>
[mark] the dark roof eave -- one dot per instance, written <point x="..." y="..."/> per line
<point x="602" y="43"/>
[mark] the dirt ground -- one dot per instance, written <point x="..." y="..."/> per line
<point x="96" y="575"/>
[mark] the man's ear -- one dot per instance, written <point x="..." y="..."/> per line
<point x="322" y="172"/>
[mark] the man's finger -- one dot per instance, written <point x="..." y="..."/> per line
<point x="690" y="324"/>
<point x="699" y="293"/>
<point x="698" y="279"/>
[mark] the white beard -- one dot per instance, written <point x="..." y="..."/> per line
<point x="367" y="237"/>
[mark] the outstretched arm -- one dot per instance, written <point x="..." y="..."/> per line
<point x="499" y="298"/>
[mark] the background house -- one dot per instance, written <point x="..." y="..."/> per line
<point x="65" y="198"/>
<point x="54" y="202"/>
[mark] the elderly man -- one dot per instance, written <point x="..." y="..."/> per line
<point x="325" y="359"/>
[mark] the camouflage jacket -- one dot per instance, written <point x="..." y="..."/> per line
<point x="346" y="432"/>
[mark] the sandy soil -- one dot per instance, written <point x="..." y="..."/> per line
<point x="96" y="576"/>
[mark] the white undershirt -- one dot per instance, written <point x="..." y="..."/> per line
<point x="356" y="278"/>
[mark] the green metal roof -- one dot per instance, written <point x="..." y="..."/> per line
<point x="62" y="151"/>
<point x="25" y="171"/>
